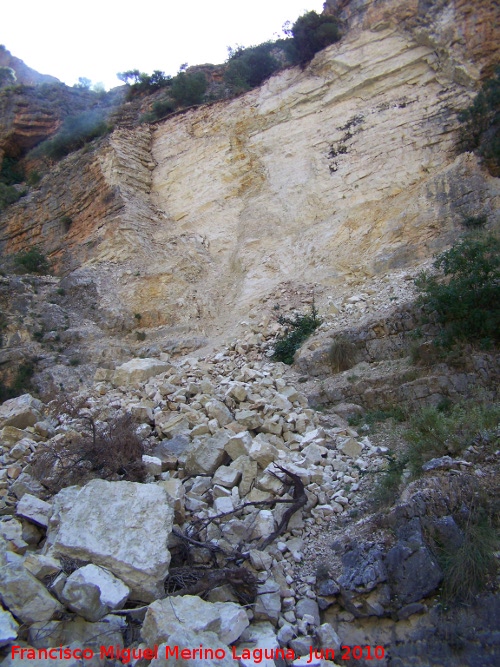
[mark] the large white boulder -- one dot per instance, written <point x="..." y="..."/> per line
<point x="138" y="370"/>
<point x="122" y="526"/>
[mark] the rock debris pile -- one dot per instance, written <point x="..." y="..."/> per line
<point x="225" y="440"/>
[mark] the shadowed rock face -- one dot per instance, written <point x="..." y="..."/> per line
<point x="459" y="29"/>
<point x="342" y="170"/>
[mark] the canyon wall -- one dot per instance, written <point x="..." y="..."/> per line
<point x="321" y="178"/>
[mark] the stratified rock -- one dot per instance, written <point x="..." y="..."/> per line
<point x="122" y="526"/>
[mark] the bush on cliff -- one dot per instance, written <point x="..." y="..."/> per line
<point x="298" y="330"/>
<point x="32" y="261"/>
<point x="74" y="133"/>
<point x="480" y="130"/>
<point x="248" y="68"/>
<point x="311" y="33"/>
<point x="466" y="296"/>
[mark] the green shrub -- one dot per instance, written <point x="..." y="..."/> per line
<point x="189" y="89"/>
<point x="32" y="261"/>
<point x="21" y="384"/>
<point x="8" y="195"/>
<point x="467" y="568"/>
<point x="467" y="300"/>
<point x="342" y="354"/>
<point x="248" y="68"/>
<point x="433" y="433"/>
<point x="298" y="330"/>
<point x="480" y="130"/>
<point x="311" y="33"/>
<point x="142" y="83"/>
<point x="75" y="132"/>
<point x="388" y="482"/>
<point x="12" y="172"/>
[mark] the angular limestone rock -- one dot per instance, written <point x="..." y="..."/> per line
<point x="92" y="592"/>
<point x="350" y="447"/>
<point x="25" y="596"/>
<point x="138" y="370"/>
<point x="8" y="627"/>
<point x="20" y="412"/>
<point x="207" y="454"/>
<point x="36" y="510"/>
<point x="122" y="526"/>
<point x="165" y="617"/>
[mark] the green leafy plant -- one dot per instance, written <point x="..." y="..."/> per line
<point x="8" y="195"/>
<point x="466" y="298"/>
<point x="189" y="89"/>
<point x="32" y="261"/>
<point x="311" y="33"/>
<point x="480" y="129"/>
<point x="21" y="382"/>
<point x="388" y="484"/>
<point x="249" y="67"/>
<point x="298" y="330"/>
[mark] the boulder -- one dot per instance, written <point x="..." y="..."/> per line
<point x="189" y="612"/>
<point x="268" y="604"/>
<point x="92" y="592"/>
<point x="239" y="445"/>
<point x="136" y="371"/>
<point x="217" y="410"/>
<point x="8" y="627"/>
<point x="24" y="595"/>
<point x="207" y="454"/>
<point x="122" y="526"/>
<point x="20" y="412"/>
<point x="350" y="447"/>
<point x="35" y="510"/>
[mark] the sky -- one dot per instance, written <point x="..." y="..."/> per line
<point x="96" y="39"/>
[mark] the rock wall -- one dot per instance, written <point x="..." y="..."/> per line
<point x="339" y="172"/>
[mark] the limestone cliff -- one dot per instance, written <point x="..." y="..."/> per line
<point x="324" y="176"/>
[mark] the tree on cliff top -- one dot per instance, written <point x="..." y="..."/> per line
<point x="311" y="33"/>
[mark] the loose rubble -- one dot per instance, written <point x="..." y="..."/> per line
<point x="226" y="438"/>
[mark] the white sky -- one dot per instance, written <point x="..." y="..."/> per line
<point x="96" y="39"/>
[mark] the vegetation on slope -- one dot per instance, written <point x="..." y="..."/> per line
<point x="480" y="130"/>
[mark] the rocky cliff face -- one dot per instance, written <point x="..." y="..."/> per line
<point x="327" y="176"/>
